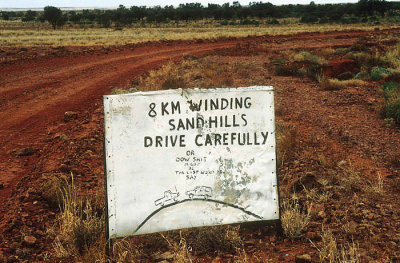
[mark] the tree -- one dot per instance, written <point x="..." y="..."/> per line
<point x="29" y="16"/>
<point x="371" y="6"/>
<point x="54" y="16"/>
<point x="5" y="15"/>
<point x="105" y="19"/>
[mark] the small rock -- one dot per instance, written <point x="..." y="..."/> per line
<point x="30" y="240"/>
<point x="70" y="115"/>
<point x="25" y="151"/>
<point x="303" y="258"/>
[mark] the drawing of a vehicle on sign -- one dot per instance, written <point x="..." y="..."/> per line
<point x="200" y="191"/>
<point x="168" y="198"/>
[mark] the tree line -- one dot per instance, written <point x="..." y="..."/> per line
<point x="124" y="16"/>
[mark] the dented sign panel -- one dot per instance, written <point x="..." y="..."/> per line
<point x="186" y="158"/>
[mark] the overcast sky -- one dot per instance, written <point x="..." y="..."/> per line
<point x="115" y="3"/>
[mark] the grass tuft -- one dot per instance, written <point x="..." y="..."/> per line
<point x="392" y="101"/>
<point x="294" y="219"/>
<point x="329" y="251"/>
<point x="53" y="188"/>
<point x="335" y="84"/>
<point x="287" y="140"/>
<point x="80" y="225"/>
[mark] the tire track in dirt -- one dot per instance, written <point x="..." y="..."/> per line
<point x="18" y="81"/>
<point x="59" y="90"/>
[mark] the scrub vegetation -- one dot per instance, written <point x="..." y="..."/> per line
<point x="15" y="34"/>
<point x="130" y="25"/>
<point x="324" y="205"/>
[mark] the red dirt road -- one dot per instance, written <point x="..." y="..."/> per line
<point x="35" y="94"/>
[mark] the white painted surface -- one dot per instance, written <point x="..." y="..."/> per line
<point x="152" y="189"/>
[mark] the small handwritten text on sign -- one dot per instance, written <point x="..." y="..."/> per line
<point x="186" y="158"/>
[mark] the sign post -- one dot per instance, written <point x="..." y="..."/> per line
<point x="187" y="158"/>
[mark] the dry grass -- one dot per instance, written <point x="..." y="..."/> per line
<point x="335" y="84"/>
<point x="125" y="251"/>
<point x="318" y="195"/>
<point x="209" y="72"/>
<point x="352" y="182"/>
<point x="393" y="57"/>
<point x="287" y="140"/>
<point x="80" y="226"/>
<point x="326" y="52"/>
<point x="19" y="34"/>
<point x="180" y="249"/>
<point x="305" y="56"/>
<point x="329" y="251"/>
<point x="221" y="239"/>
<point x="52" y="189"/>
<point x="294" y="219"/>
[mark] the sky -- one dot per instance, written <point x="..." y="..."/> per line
<point x="115" y="3"/>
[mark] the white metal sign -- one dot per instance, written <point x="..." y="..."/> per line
<point x="187" y="158"/>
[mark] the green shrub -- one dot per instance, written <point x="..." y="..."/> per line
<point x="273" y="22"/>
<point x="392" y="100"/>
<point x="378" y="73"/>
<point x="225" y="23"/>
<point x="362" y="75"/>
<point x="309" y="19"/>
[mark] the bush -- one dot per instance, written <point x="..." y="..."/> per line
<point x="249" y="22"/>
<point x="273" y="22"/>
<point x="323" y="20"/>
<point x="362" y="75"/>
<point x="378" y="73"/>
<point x="309" y="19"/>
<point x="225" y="23"/>
<point x="392" y="100"/>
<point x="287" y="70"/>
<point x="173" y="82"/>
<point x="393" y="57"/>
<point x="305" y="56"/>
